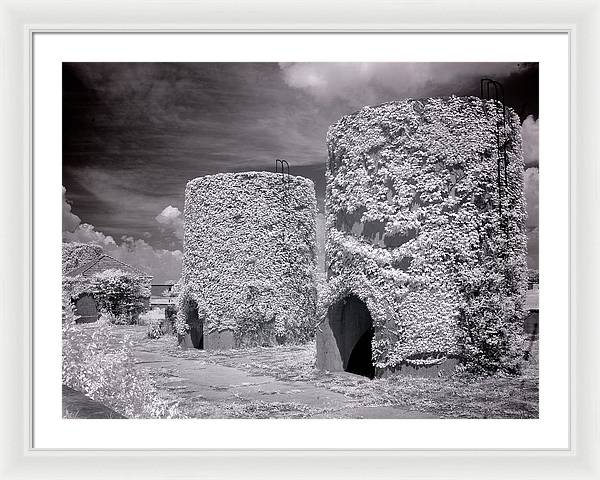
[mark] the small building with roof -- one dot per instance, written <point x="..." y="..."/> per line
<point x="79" y="279"/>
<point x="162" y="295"/>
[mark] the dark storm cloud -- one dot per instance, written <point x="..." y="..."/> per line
<point x="135" y="133"/>
<point x="356" y="84"/>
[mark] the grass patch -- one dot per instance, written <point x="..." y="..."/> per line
<point x="458" y="396"/>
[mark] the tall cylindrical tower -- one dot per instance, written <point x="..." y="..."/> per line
<point x="249" y="260"/>
<point x="426" y="245"/>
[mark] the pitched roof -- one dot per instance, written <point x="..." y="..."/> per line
<point x="102" y="263"/>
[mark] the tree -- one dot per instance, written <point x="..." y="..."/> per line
<point x="121" y="295"/>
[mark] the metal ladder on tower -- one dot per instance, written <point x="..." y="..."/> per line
<point x="283" y="167"/>
<point x="494" y="90"/>
<point x="285" y="175"/>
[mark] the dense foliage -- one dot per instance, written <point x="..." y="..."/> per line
<point x="68" y="307"/>
<point x="419" y="228"/>
<point x="155" y="322"/>
<point x="120" y="294"/>
<point x="95" y="365"/>
<point x="77" y="254"/>
<point x="250" y="256"/>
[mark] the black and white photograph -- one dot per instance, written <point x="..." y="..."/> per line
<point x="300" y="240"/>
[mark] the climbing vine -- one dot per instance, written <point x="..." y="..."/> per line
<point x="121" y="295"/>
<point x="419" y="227"/>
<point x="250" y="256"/>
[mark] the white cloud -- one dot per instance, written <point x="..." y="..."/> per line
<point x="86" y="233"/>
<point x="164" y="265"/>
<point x="70" y="221"/>
<point x="171" y="219"/>
<point x="530" y="132"/>
<point x="364" y="83"/>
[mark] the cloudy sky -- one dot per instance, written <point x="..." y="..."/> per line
<point x="135" y="133"/>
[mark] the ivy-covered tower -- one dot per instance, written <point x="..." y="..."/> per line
<point x="426" y="244"/>
<point x="249" y="261"/>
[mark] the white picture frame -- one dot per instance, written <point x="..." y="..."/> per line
<point x="18" y="24"/>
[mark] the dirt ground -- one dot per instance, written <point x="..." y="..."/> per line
<point x="281" y="382"/>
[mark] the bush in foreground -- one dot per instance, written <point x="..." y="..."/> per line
<point x="104" y="370"/>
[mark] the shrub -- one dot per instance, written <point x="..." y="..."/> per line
<point x="154" y="320"/>
<point x="154" y="329"/>
<point x="120" y="294"/>
<point x="151" y="316"/>
<point x="107" y="318"/>
<point x="68" y="308"/>
<point x="104" y="370"/>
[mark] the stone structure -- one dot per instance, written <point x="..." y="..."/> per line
<point x="426" y="245"/>
<point x="249" y="261"/>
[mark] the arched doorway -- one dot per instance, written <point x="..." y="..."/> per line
<point x="352" y="327"/>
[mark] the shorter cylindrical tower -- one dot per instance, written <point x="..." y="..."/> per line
<point x="425" y="236"/>
<point x="249" y="261"/>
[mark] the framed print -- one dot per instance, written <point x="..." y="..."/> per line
<point x="381" y="239"/>
<point x="280" y="244"/>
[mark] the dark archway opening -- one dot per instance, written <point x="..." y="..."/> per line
<point x="196" y="327"/>
<point x="352" y="328"/>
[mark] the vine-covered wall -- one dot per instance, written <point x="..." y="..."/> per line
<point x="420" y="229"/>
<point x="250" y="257"/>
